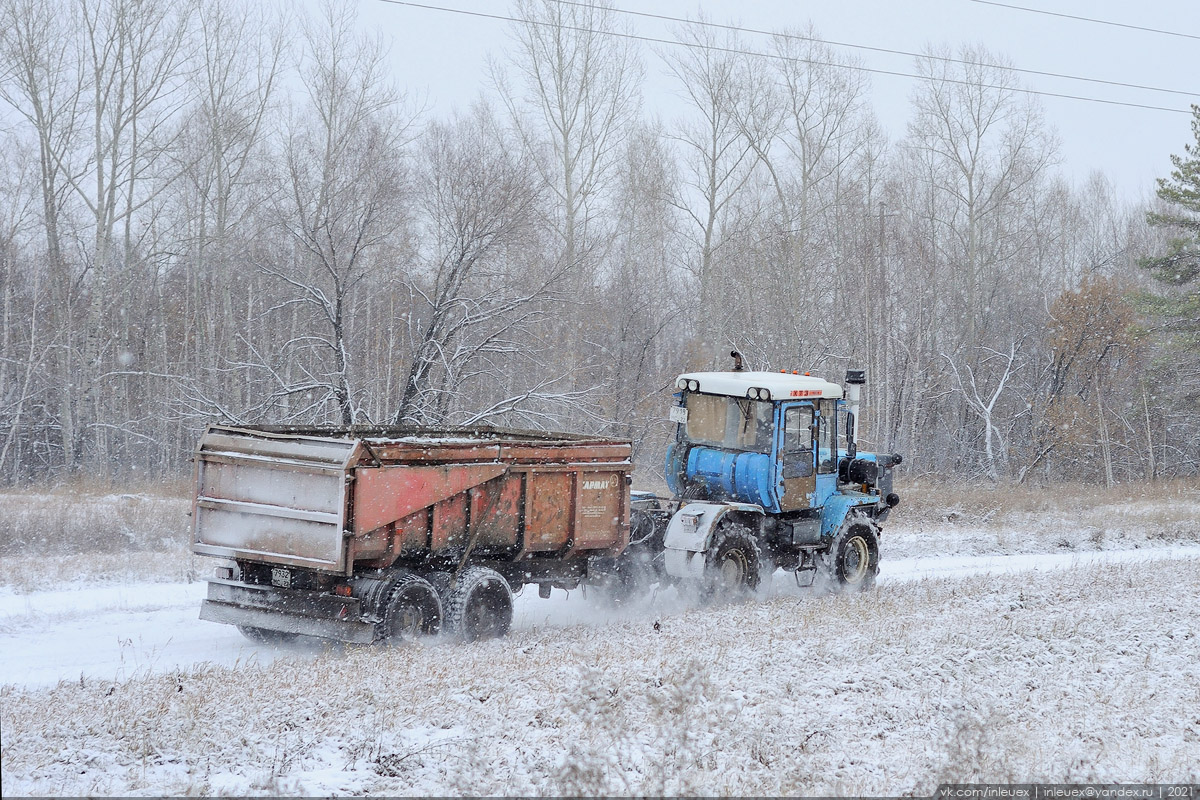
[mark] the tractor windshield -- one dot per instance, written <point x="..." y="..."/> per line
<point x="731" y="423"/>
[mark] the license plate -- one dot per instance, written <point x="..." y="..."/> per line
<point x="679" y="414"/>
<point x="281" y="578"/>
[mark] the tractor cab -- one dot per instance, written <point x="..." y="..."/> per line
<point x="764" y="438"/>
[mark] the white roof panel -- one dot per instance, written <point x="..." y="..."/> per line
<point x="782" y="385"/>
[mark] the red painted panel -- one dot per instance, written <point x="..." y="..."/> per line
<point x="387" y="494"/>
<point x="412" y="534"/>
<point x="450" y="523"/>
<point x="549" y="507"/>
<point x="496" y="512"/>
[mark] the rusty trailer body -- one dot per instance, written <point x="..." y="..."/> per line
<point x="365" y="534"/>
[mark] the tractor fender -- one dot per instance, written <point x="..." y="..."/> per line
<point x="837" y="508"/>
<point x="690" y="532"/>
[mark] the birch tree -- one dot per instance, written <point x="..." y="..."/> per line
<point x="718" y="159"/>
<point x="341" y="203"/>
<point x="42" y="80"/>
<point x="580" y="91"/>
<point x="223" y="156"/>
<point x="985" y="149"/>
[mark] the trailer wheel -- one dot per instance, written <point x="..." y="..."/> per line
<point x="733" y="565"/>
<point x="478" y="603"/>
<point x="266" y="636"/>
<point x="852" y="560"/>
<point x="412" y="609"/>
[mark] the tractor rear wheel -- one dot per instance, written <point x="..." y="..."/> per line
<point x="733" y="565"/>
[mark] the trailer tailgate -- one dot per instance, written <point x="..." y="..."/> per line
<point x="276" y="498"/>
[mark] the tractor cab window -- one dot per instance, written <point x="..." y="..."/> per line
<point x="827" y="445"/>
<point x="842" y="413"/>
<point x="797" y="452"/>
<point x="731" y="423"/>
<point x="797" y="429"/>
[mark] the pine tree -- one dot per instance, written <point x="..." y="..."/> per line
<point x="1179" y="267"/>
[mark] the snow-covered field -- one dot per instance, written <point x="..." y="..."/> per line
<point x="1078" y="663"/>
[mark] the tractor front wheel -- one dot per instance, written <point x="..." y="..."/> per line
<point x="852" y="560"/>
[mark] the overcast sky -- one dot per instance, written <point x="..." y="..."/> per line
<point x="444" y="55"/>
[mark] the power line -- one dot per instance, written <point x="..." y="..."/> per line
<point x="946" y="59"/>
<point x="1087" y="19"/>
<point x="776" y="57"/>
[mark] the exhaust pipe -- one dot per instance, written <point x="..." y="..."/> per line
<point x="855" y="379"/>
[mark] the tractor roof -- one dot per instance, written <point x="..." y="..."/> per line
<point x="781" y="385"/>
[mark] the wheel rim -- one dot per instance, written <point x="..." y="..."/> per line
<point x="856" y="559"/>
<point x="734" y="568"/>
<point x="410" y="622"/>
<point x="411" y="615"/>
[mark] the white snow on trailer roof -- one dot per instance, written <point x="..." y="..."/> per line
<point x="431" y="439"/>
<point x="781" y="385"/>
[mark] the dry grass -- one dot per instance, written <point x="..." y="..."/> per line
<point x="1082" y="676"/>
<point x="930" y="503"/>
<point x="935" y="519"/>
<point x="90" y="532"/>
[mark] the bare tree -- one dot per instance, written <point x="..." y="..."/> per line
<point x="41" y="78"/>
<point x="822" y="121"/>
<point x="479" y="286"/>
<point x="581" y="91"/>
<point x="24" y="341"/>
<point x="222" y="154"/>
<point x="985" y="148"/>
<point x="718" y="159"/>
<point x="983" y="399"/>
<point x="341" y="203"/>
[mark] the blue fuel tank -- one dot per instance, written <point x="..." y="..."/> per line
<point x="725" y="475"/>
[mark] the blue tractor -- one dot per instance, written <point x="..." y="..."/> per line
<point x="766" y="475"/>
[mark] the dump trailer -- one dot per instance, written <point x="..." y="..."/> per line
<point x="363" y="535"/>
<point x="367" y="535"/>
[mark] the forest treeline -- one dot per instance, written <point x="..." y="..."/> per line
<point x="226" y="211"/>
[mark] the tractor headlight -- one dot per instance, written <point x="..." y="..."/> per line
<point x="693" y="385"/>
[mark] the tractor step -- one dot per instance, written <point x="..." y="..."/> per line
<point x="810" y="567"/>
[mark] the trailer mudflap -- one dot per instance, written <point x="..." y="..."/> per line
<point x="287" y="610"/>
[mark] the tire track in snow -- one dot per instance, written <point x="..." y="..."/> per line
<point x="113" y="633"/>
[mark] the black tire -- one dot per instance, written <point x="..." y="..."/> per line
<point x="478" y="603"/>
<point x="852" y="560"/>
<point x="412" y="609"/>
<point x="266" y="636"/>
<point x="733" y="564"/>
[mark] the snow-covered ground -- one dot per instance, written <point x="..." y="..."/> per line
<point x="1080" y="662"/>
<point x="114" y="633"/>
<point x="1063" y="667"/>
